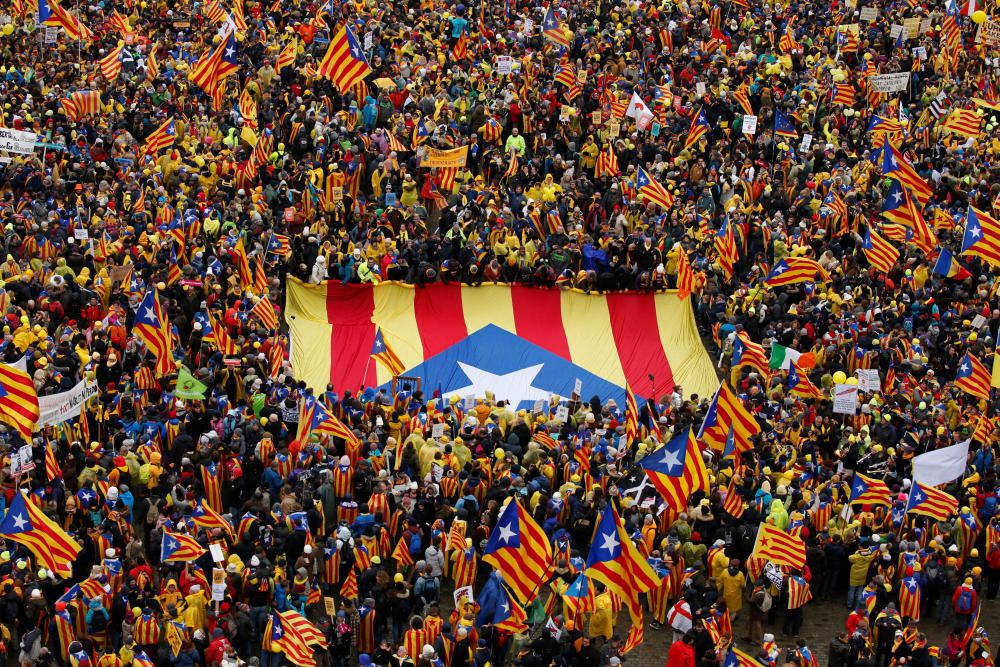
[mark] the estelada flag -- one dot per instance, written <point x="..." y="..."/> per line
<point x="779" y="547"/>
<point x="548" y="339"/>
<point x="677" y="470"/>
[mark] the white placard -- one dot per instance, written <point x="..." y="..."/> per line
<point x="51" y="34"/>
<point x="920" y="53"/>
<point x="845" y="399"/>
<point x="218" y="592"/>
<point x="868" y="379"/>
<point x="894" y="30"/>
<point x="437" y="431"/>
<point x="25" y="462"/>
<point x="61" y="407"/>
<point x="529" y="26"/>
<point x="464" y="591"/>
<point x="699" y="88"/>
<point x="539" y="407"/>
<point x="890" y="83"/>
<point x="562" y="414"/>
<point x="807" y="142"/>
<point x="81" y="234"/>
<point x="216" y="550"/>
<point x="369" y="40"/>
<point x="15" y="141"/>
<point x="504" y="65"/>
<point x="978" y="322"/>
<point x="749" y="124"/>
<point x="925" y="26"/>
<point x="470" y="401"/>
<point x="578" y="387"/>
<point x="869" y="13"/>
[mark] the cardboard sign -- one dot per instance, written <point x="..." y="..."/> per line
<point x="868" y="379"/>
<point x="869" y="13"/>
<point x="470" y="401"/>
<point x="218" y="576"/>
<point x="614" y="128"/>
<point x="51" y="34"/>
<point x="912" y="26"/>
<point x="578" y="387"/>
<point x="437" y="431"/>
<point x="562" y="414"/>
<point x="330" y="606"/>
<point x="118" y="273"/>
<point x="894" y="30"/>
<point x="596" y="117"/>
<point x="845" y="399"/>
<point x="338" y="193"/>
<point x="218" y="556"/>
<point x="989" y="33"/>
<point x="920" y="53"/>
<point x="749" y="124"/>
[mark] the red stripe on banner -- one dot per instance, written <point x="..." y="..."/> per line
<point x="538" y="318"/>
<point x="637" y="336"/>
<point x="440" y="318"/>
<point x="349" y="311"/>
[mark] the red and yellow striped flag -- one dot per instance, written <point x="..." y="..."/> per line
<point x="18" y="400"/>
<point x="775" y="545"/>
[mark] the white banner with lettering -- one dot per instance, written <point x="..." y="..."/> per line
<point x="61" y="407"/>
<point x="889" y="83"/>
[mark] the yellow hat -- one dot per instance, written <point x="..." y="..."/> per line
<point x="398" y="578"/>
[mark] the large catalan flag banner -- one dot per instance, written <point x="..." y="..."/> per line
<point x="520" y="343"/>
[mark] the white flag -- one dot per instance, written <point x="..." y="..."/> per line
<point x="942" y="465"/>
<point x="637" y="109"/>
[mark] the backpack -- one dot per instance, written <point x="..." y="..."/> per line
<point x="144" y="474"/>
<point x="963" y="605"/>
<point x="99" y="622"/>
<point x="429" y="590"/>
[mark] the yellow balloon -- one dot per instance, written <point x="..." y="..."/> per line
<point x="8" y="29"/>
<point x="978" y="16"/>
<point x="851" y="380"/>
<point x="839" y="377"/>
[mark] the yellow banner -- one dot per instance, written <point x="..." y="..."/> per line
<point x="456" y="157"/>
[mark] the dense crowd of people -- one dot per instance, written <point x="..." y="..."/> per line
<point x="610" y="146"/>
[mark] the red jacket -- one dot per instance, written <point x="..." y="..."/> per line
<point x="958" y="593"/>
<point x="681" y="654"/>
